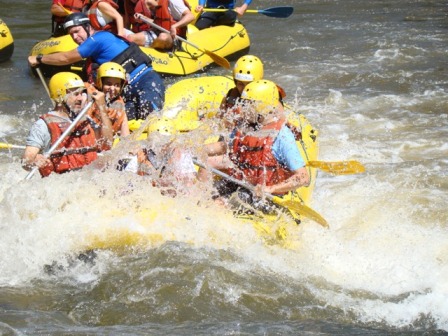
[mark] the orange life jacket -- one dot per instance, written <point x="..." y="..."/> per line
<point x="253" y="156"/>
<point x="93" y="17"/>
<point x="74" y="6"/>
<point x="163" y="18"/>
<point x="138" y="7"/>
<point x="77" y="150"/>
<point x="116" y="112"/>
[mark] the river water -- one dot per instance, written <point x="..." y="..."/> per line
<point x="372" y="77"/>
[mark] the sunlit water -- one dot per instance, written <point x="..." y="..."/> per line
<point x="371" y="77"/>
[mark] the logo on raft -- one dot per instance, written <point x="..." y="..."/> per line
<point x="158" y="60"/>
<point x="43" y="45"/>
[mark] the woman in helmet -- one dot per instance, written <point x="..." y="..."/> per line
<point x="111" y="79"/>
<point x="80" y="147"/>
<point x="263" y="150"/>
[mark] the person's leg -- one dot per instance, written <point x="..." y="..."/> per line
<point x="227" y="18"/>
<point x="148" y="94"/>
<point x="206" y="20"/>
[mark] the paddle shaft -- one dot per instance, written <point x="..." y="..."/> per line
<point x="288" y="204"/>
<point x="216" y="58"/>
<point x="275" y="12"/>
<point x="9" y="146"/>
<point x="63" y="136"/>
<point x="42" y="79"/>
<point x="230" y="178"/>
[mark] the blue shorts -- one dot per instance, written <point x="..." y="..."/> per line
<point x="144" y="95"/>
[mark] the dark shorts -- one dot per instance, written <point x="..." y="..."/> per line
<point x="211" y="19"/>
<point x="144" y="96"/>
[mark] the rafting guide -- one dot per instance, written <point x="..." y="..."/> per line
<point x="145" y="91"/>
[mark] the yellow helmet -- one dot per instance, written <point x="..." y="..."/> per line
<point x="264" y="94"/>
<point x="110" y="69"/>
<point x="61" y="82"/>
<point x="163" y="125"/>
<point x="248" y="68"/>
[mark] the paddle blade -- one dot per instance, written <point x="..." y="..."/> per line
<point x="277" y="12"/>
<point x="221" y="61"/>
<point x="301" y="209"/>
<point x="338" y="167"/>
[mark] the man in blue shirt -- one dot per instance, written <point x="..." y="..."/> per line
<point x="225" y="18"/>
<point x="145" y="91"/>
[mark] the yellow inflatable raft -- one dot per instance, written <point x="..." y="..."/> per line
<point x="223" y="41"/>
<point x="6" y="42"/>
<point x="190" y="102"/>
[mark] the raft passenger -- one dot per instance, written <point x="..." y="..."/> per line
<point x="111" y="79"/>
<point x="161" y="157"/>
<point x="226" y="18"/>
<point x="59" y="11"/>
<point x="104" y="15"/>
<point x="173" y="15"/>
<point x="80" y="147"/>
<point x="263" y="149"/>
<point x="247" y="69"/>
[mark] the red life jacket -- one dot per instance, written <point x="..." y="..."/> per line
<point x="253" y="156"/>
<point x="163" y="18"/>
<point x="74" y="6"/>
<point x="77" y="150"/>
<point x="93" y="17"/>
<point x="116" y="112"/>
<point x="138" y="7"/>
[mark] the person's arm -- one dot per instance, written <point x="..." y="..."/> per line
<point x="108" y="10"/>
<point x="215" y="148"/>
<point x="60" y="58"/>
<point x="200" y="6"/>
<point x="299" y="179"/>
<point x="105" y="138"/>
<point x="187" y="17"/>
<point x="57" y="10"/>
<point x="124" y="130"/>
<point x="37" y="141"/>
<point x="33" y="158"/>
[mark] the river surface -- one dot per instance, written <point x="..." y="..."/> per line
<point x="372" y="77"/>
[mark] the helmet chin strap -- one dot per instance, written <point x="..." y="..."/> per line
<point x="87" y="29"/>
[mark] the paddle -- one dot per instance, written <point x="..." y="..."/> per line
<point x="339" y="167"/>
<point x="63" y="136"/>
<point x="9" y="146"/>
<point x="276" y="12"/>
<point x="42" y="79"/>
<point x="68" y="12"/>
<point x="221" y="61"/>
<point x="291" y="205"/>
